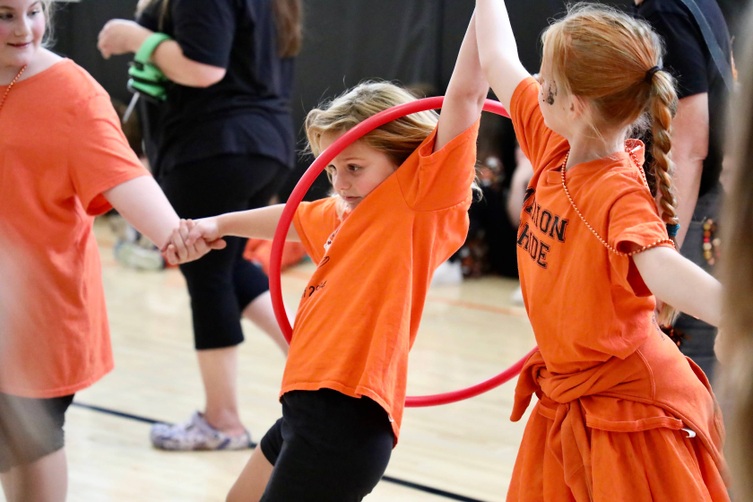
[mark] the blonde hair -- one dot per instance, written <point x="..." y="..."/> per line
<point x="610" y="60"/>
<point x="396" y="139"/>
<point x="288" y="16"/>
<point x="736" y="273"/>
<point x="48" y="40"/>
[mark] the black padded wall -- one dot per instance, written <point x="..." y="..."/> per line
<point x="413" y="42"/>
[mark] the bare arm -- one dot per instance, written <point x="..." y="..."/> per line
<point x="498" y="52"/>
<point x="258" y="223"/>
<point x="518" y="184"/>
<point x="121" y="36"/>
<point x="690" y="147"/>
<point x="143" y="204"/>
<point x="466" y="92"/>
<point x="677" y="281"/>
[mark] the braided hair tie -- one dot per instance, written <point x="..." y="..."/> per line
<point x="650" y="73"/>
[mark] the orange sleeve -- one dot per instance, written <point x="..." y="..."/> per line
<point x="429" y="182"/>
<point x="315" y="221"/>
<point x="99" y="153"/>
<point x="635" y="223"/>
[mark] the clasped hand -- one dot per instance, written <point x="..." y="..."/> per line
<point x="191" y="240"/>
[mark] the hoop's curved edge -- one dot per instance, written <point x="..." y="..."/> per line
<point x="472" y="391"/>
<point x="294" y="200"/>
<point x="308" y="178"/>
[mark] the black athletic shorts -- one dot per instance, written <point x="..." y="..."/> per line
<point x="327" y="446"/>
<point x="30" y="428"/>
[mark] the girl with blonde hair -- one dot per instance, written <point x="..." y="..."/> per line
<point x="399" y="210"/>
<point x="621" y="413"/>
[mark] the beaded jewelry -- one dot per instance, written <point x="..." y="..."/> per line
<point x="10" y="86"/>
<point x="710" y="242"/>
<point x="675" y="335"/>
<point x="588" y="225"/>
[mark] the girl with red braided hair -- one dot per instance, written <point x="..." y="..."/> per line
<point x="621" y="413"/>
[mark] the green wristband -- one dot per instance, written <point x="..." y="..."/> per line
<point x="144" y="54"/>
<point x="146" y="78"/>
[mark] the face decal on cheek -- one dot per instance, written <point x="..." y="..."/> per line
<point x="551" y="93"/>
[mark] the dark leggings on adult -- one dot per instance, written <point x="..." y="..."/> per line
<point x="222" y="283"/>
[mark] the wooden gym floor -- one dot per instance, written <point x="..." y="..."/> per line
<point x="462" y="451"/>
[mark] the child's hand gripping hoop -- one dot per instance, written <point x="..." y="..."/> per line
<point x="147" y="79"/>
<point x="296" y="196"/>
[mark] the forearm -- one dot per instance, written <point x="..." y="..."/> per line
<point x="466" y="91"/>
<point x="258" y="223"/>
<point x="169" y="58"/>
<point x="498" y="52"/>
<point x="690" y="140"/>
<point x="120" y="36"/>
<point x="687" y="181"/>
<point x="143" y="204"/>
<point x="677" y="281"/>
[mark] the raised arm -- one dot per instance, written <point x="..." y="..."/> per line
<point x="465" y="93"/>
<point x="497" y="50"/>
<point x="677" y="281"/>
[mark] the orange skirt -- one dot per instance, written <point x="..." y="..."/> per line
<point x="659" y="464"/>
<point x="640" y="429"/>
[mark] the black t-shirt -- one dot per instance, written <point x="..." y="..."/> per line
<point x="689" y="60"/>
<point x="248" y="111"/>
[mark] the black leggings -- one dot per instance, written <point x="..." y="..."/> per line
<point x="222" y="283"/>
<point x="327" y="446"/>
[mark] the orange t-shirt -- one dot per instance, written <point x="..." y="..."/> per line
<point x="603" y="367"/>
<point x="586" y="304"/>
<point x="360" y="312"/>
<point x="61" y="147"/>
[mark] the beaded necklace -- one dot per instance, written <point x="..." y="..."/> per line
<point x="592" y="229"/>
<point x="10" y="86"/>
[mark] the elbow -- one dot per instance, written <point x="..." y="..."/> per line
<point x="486" y="60"/>
<point x="193" y="74"/>
<point x="208" y="76"/>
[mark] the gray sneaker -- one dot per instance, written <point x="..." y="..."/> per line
<point x="139" y="256"/>
<point x="196" y="434"/>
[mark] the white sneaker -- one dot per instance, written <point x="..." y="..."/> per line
<point x="196" y="434"/>
<point x="516" y="297"/>
<point x="449" y="272"/>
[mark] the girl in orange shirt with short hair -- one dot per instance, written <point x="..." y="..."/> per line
<point x="621" y="413"/>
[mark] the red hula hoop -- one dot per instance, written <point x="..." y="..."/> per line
<point x="294" y="200"/>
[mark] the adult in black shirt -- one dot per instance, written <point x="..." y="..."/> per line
<point x="697" y="142"/>
<point x="223" y="140"/>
